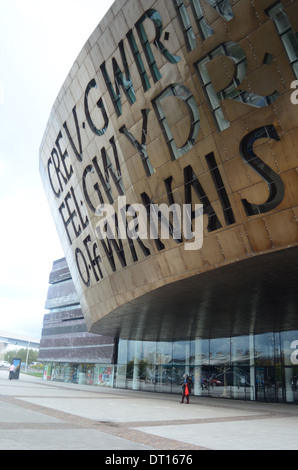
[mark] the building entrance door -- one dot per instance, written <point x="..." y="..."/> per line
<point x="270" y="384"/>
<point x="291" y="384"/>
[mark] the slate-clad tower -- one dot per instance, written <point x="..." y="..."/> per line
<point x="65" y="338"/>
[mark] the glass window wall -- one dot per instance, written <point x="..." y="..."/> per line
<point x="251" y="367"/>
<point x="262" y="367"/>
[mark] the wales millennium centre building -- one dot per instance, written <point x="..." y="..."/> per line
<point x="170" y="165"/>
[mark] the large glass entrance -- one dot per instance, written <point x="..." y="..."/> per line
<point x="269" y="384"/>
<point x="291" y="384"/>
<point x="253" y="367"/>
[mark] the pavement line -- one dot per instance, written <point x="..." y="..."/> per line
<point x="175" y="422"/>
<point x="121" y="432"/>
<point x="40" y="426"/>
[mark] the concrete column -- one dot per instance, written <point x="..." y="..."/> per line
<point x="198" y="368"/>
<point x="137" y="357"/>
<point x="289" y="385"/>
<point x="121" y="368"/>
<point x="187" y="357"/>
<point x="252" y="367"/>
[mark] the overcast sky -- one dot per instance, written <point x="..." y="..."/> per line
<point x="40" y="40"/>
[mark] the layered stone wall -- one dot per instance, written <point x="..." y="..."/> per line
<point x="64" y="334"/>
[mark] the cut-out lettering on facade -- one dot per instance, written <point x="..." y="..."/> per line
<point x="101" y="179"/>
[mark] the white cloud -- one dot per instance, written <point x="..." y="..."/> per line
<point x="1" y="92"/>
<point x="39" y="39"/>
<point x="22" y="316"/>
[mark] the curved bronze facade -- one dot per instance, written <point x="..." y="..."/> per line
<point x="186" y="103"/>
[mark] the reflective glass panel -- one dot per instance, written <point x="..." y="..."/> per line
<point x="289" y="344"/>
<point x="181" y="352"/>
<point x="220" y="351"/>
<point x="264" y="349"/>
<point x="163" y="353"/>
<point x="122" y="352"/>
<point x="240" y="350"/>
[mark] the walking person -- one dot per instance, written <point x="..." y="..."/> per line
<point x="11" y="369"/>
<point x="186" y="388"/>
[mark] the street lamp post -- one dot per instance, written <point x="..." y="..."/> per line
<point x="27" y="354"/>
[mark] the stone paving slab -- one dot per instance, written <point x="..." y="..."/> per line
<point x="12" y="413"/>
<point x="240" y="434"/>
<point x="130" y="409"/>
<point x="64" y="439"/>
<point x="38" y="415"/>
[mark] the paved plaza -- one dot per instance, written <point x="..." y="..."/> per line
<point x="39" y="415"/>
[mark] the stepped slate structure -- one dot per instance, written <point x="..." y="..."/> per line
<point x="66" y="347"/>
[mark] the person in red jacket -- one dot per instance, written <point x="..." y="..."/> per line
<point x="186" y="388"/>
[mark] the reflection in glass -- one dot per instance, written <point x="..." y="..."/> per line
<point x="264" y="349"/>
<point x="251" y="367"/>
<point x="287" y="347"/>
<point x="219" y="351"/>
<point x="288" y="36"/>
<point x="240" y="350"/>
<point x="181" y="352"/>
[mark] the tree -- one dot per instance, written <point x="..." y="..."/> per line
<point x="22" y="354"/>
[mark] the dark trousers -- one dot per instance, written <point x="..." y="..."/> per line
<point x="183" y="396"/>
